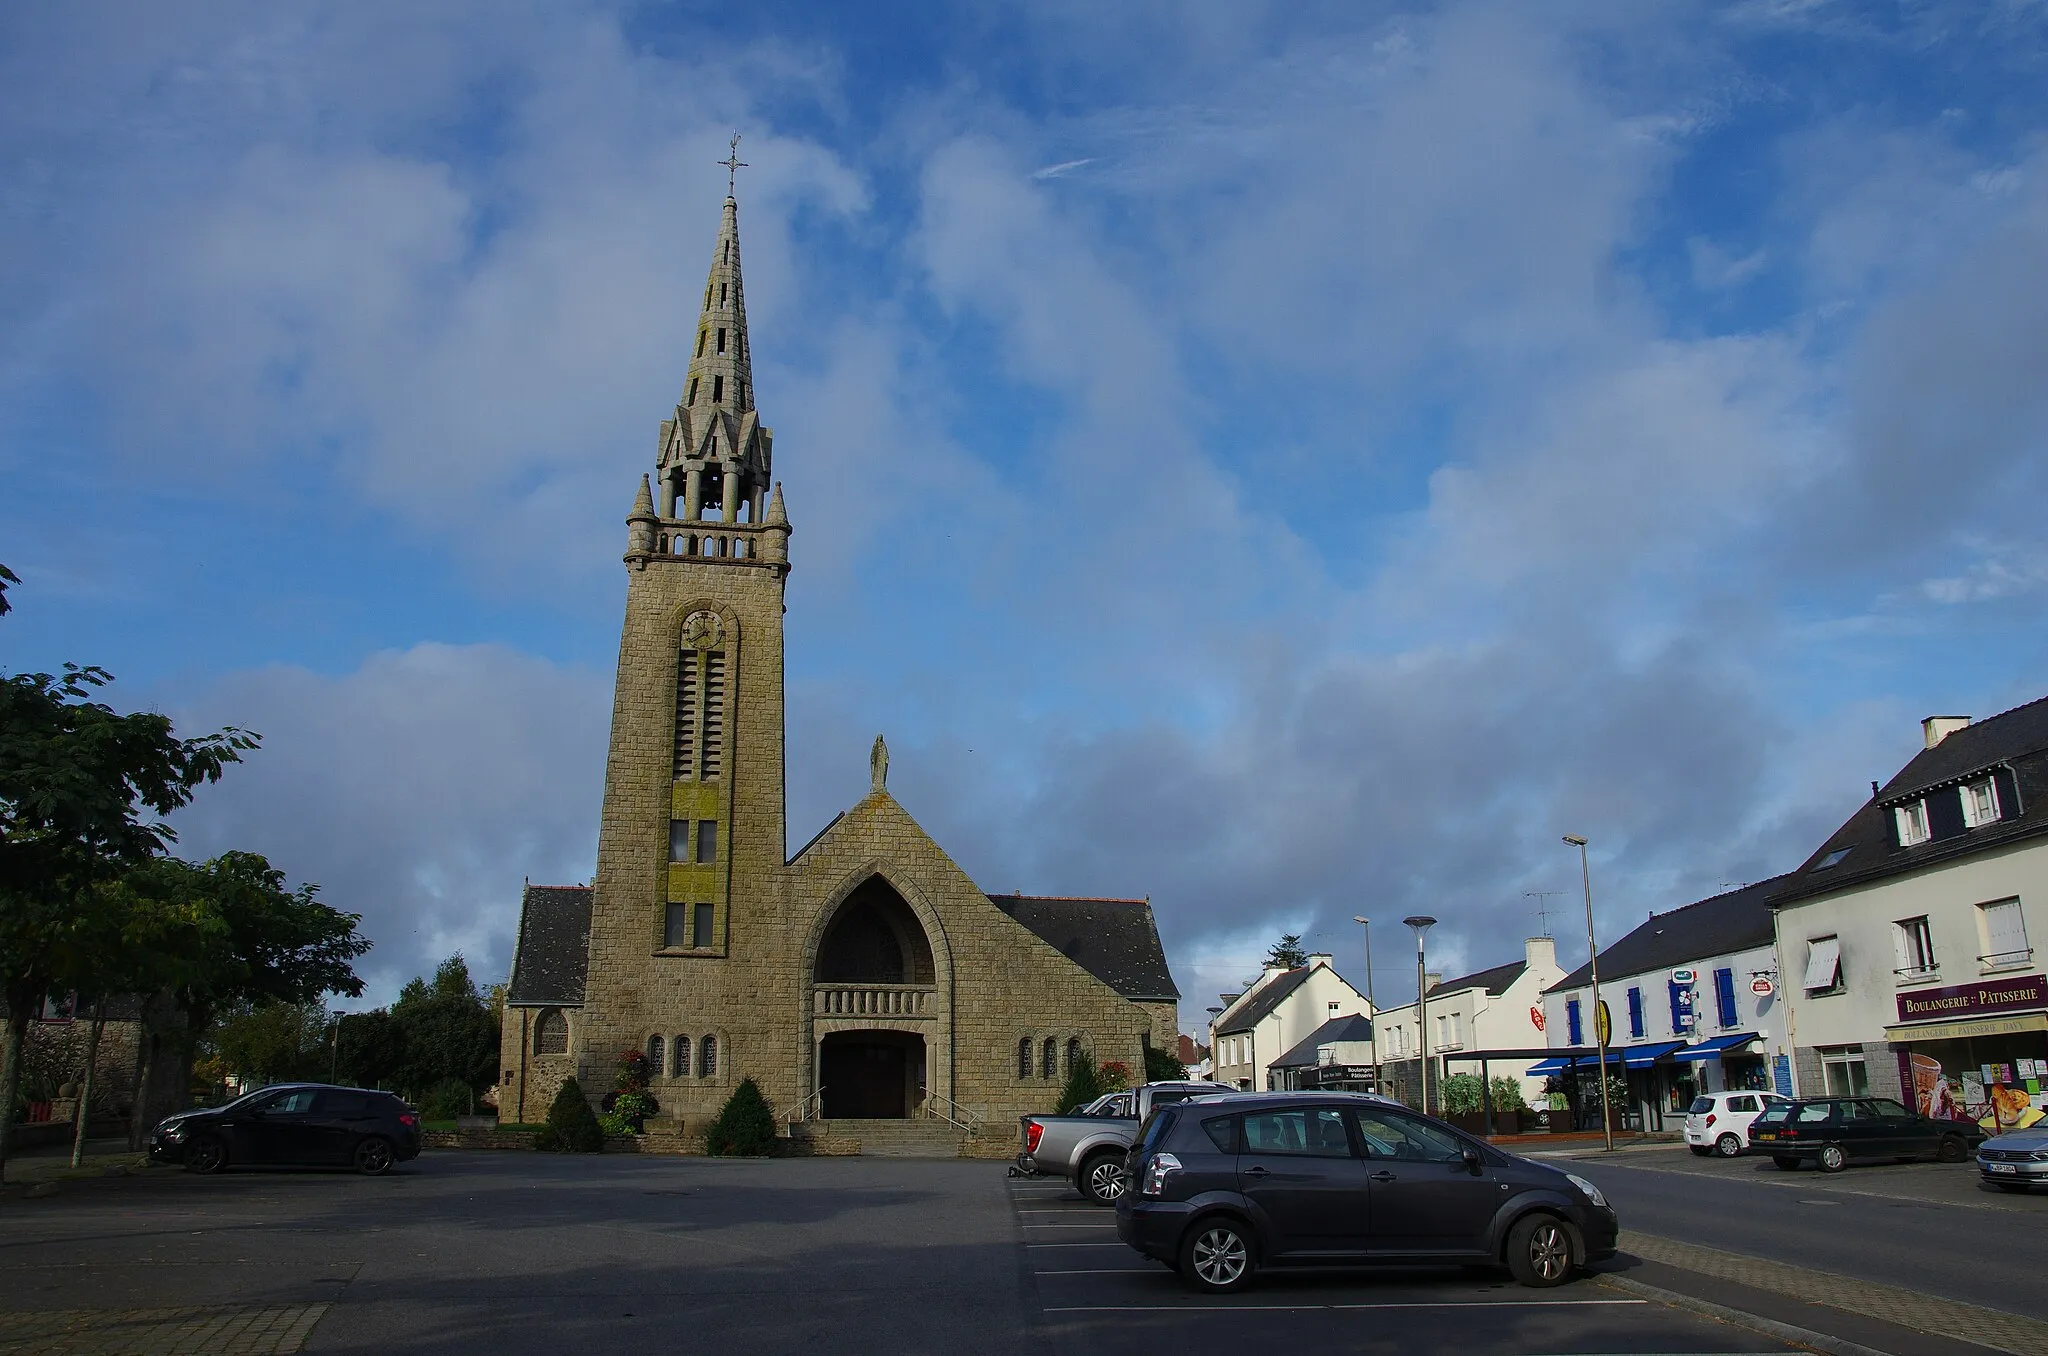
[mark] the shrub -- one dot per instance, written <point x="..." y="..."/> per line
<point x="1084" y="1085"/>
<point x="1114" y="1076"/>
<point x="446" y="1100"/>
<point x="1507" y="1094"/>
<point x="1161" y="1067"/>
<point x="1462" y="1095"/>
<point x="745" y="1127"/>
<point x="571" y="1126"/>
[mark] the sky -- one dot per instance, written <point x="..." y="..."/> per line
<point x="1287" y="461"/>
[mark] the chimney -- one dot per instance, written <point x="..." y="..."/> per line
<point x="1431" y="979"/>
<point x="1316" y="958"/>
<point x="1229" y="998"/>
<point x="1541" y="953"/>
<point x="1934" y="729"/>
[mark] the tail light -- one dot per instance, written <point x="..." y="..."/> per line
<point x="1157" y="1171"/>
<point x="1710" y="1120"/>
<point x="1033" y="1132"/>
<point x="407" y="1119"/>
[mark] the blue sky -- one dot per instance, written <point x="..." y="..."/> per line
<point x="1285" y="460"/>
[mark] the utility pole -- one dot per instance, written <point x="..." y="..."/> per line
<point x="1593" y="965"/>
<point x="1366" y="923"/>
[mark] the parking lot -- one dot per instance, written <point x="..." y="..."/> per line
<point x="516" y="1253"/>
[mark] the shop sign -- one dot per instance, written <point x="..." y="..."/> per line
<point x="1761" y="986"/>
<point x="1683" y="976"/>
<point x="1985" y="995"/>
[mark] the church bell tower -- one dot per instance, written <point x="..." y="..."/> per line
<point x="693" y="829"/>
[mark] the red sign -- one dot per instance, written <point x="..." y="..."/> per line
<point x="1536" y="1016"/>
<point x="1964" y="1000"/>
<point x="1761" y="986"/>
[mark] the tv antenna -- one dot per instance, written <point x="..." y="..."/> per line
<point x="1542" y="909"/>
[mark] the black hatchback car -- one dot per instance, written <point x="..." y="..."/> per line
<point x="1226" y="1186"/>
<point x="310" y="1125"/>
<point x="1834" y="1132"/>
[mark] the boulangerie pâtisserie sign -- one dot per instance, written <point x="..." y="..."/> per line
<point x="1985" y="995"/>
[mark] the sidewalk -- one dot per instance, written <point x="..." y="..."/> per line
<point x="37" y="1171"/>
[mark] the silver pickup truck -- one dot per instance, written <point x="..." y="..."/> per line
<point x="1089" y="1149"/>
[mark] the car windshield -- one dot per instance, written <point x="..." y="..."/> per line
<point x="1700" y="1104"/>
<point x="1776" y="1111"/>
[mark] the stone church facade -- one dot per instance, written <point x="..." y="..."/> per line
<point x="864" y="978"/>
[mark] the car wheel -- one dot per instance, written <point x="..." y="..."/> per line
<point x="1700" y="1149"/>
<point x="1786" y="1162"/>
<point x="1952" y="1150"/>
<point x="206" y="1154"/>
<point x="1542" y="1250"/>
<point x="1218" y="1256"/>
<point x="1103" y="1179"/>
<point x="1832" y="1158"/>
<point x="1729" y="1146"/>
<point x="373" y="1157"/>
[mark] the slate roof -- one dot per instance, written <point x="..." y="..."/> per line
<point x="1303" y="1055"/>
<point x="1115" y="940"/>
<point x="1260" y="1005"/>
<point x="1734" y="921"/>
<point x="2015" y="741"/>
<point x="1494" y="981"/>
<point x="554" y="946"/>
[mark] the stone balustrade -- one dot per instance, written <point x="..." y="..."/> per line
<point x="873" y="1000"/>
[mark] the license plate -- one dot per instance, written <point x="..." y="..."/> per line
<point x="1765" y="1134"/>
<point x="2002" y="1167"/>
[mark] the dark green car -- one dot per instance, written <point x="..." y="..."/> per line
<point x="1837" y="1131"/>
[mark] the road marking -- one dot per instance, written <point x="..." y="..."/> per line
<point x="1109" y="1271"/>
<point x="1067" y="1226"/>
<point x="1118" y="1244"/>
<point x="1301" y="1308"/>
<point x="1070" y="1210"/>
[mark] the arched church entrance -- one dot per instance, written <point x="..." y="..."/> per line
<point x="874" y="990"/>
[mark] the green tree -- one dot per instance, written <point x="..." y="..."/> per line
<point x="272" y="1042"/>
<point x="369" y="1048"/>
<point x="83" y="790"/>
<point x="744" y="1127"/>
<point x="447" y="1030"/>
<point x="1083" y="1085"/>
<point x="1287" y="952"/>
<point x="571" y="1126"/>
<point x="1160" y="1067"/>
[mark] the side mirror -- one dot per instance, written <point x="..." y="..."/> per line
<point x="1473" y="1162"/>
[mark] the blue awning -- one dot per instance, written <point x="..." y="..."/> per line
<point x="1643" y="1056"/>
<point x="1592" y="1061"/>
<point x="1716" y="1046"/>
<point x="1546" y="1068"/>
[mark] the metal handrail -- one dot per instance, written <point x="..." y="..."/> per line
<point x="962" y="1118"/>
<point x="805" y="1108"/>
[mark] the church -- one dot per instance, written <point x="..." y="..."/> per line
<point x="863" y="978"/>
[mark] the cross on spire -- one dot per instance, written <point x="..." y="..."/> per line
<point x="733" y="164"/>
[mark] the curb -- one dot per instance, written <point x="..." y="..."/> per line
<point x="1769" y="1327"/>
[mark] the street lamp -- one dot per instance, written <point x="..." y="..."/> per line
<point x="1593" y="966"/>
<point x="1366" y="923"/>
<point x="1422" y="923"/>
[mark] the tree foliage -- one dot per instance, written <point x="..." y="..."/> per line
<point x="571" y="1126"/>
<point x="1083" y="1085"/>
<point x="1161" y="1067"/>
<point x="272" y="1042"/>
<point x="744" y="1126"/>
<point x="1288" y="952"/>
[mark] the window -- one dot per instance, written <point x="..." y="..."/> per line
<point x="1073" y="1053"/>
<point x="1823" y="965"/>
<point x="1746" y="1102"/>
<point x="1024" y="1058"/>
<point x="1843" y="1069"/>
<point x="682" y="1056"/>
<point x="721" y="296"/>
<point x="1813" y="1113"/>
<point x="707" y="1057"/>
<point x="1309" y="1134"/>
<point x="1885" y="1106"/>
<point x="1223" y="1134"/>
<point x="1635" y="1014"/>
<point x="701" y="916"/>
<point x="721" y="341"/>
<point x="2005" y="934"/>
<point x="1575" y="1033"/>
<point x="1980" y="802"/>
<point x="657" y="1056"/>
<point x="714" y="713"/>
<point x="691" y="399"/>
<point x="686" y="722"/>
<point x="1832" y="859"/>
<point x="700" y="343"/>
<point x="1048" y="1058"/>
<point x="707" y="841"/>
<point x="679" y="840"/>
<point x="550" y="1033"/>
<point x="1389" y="1134"/>
<point x="1911" y="822"/>
<point x="675" y="929"/>
<point x="1914" y="944"/>
<point x="717" y="390"/>
<point x="700" y="714"/>
<point x="1724" y="997"/>
<point x="294" y="1103"/>
<point x="1449" y="1031"/>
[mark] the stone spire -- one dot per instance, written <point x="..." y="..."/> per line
<point x="715" y="456"/>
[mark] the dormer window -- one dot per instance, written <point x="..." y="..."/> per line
<point x="1980" y="802"/>
<point x="1832" y="859"/>
<point x="1911" y="822"/>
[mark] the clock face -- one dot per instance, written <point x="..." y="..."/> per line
<point x="702" y="630"/>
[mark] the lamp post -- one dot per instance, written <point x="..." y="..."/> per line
<point x="1593" y="966"/>
<point x="1366" y="923"/>
<point x="1422" y="923"/>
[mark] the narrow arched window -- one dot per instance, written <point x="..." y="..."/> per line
<point x="1049" y="1058"/>
<point x="551" y="1033"/>
<point x="1073" y="1052"/>
<point x="1024" y="1058"/>
<point x="682" y="1057"/>
<point x="707" y="1057"/>
<point x="657" y="1056"/>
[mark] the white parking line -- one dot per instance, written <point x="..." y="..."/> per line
<point x="1109" y="1271"/>
<point x="1118" y="1244"/>
<point x="1299" y="1308"/>
<point x="1066" y="1226"/>
<point x="1070" y="1210"/>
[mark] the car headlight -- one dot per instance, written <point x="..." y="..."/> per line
<point x="1592" y="1193"/>
<point x="173" y="1132"/>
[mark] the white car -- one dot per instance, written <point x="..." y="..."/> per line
<point x="1718" y="1122"/>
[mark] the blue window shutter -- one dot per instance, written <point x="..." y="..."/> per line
<point x="1635" y="1013"/>
<point x="1724" y="995"/>
<point x="1678" y="1026"/>
<point x="1571" y="1020"/>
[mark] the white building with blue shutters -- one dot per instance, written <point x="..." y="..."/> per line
<point x="1694" y="1003"/>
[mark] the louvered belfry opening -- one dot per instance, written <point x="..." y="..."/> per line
<point x="700" y="715"/>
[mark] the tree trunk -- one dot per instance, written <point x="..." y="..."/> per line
<point x="138" y="1117"/>
<point x="10" y="1076"/>
<point x="92" y="1059"/>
